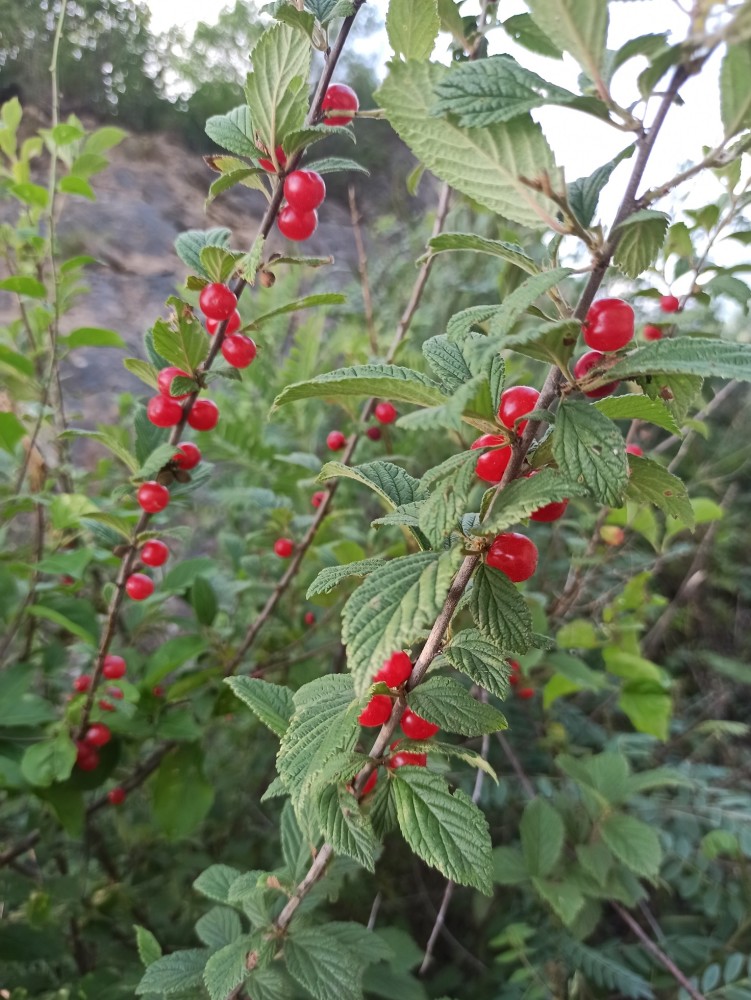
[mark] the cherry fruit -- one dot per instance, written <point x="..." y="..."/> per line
<point x="297" y="226"/>
<point x="515" y="672"/>
<point x="268" y="165"/>
<point x="217" y="301"/>
<point x="139" y="586"/>
<point x="395" y="671"/>
<point x="82" y="683"/>
<point x="310" y="618"/>
<point x="98" y="735"/>
<point x="551" y="511"/>
<point x="152" y="496"/>
<point x="87" y="759"/>
<point x="634" y="449"/>
<point x="318" y="497"/>
<point x="284" y="547"/>
<point x="106" y="706"/>
<point x="116" y="796"/>
<point x="164" y="412"/>
<point x="385" y="413"/>
<point x="513" y="554"/>
<point x="304" y="190"/>
<point x="336" y="441"/>
<point x="525" y="693"/>
<point x="187" y="456"/>
<point x="339" y="97"/>
<point x="204" y="415"/>
<point x="114" y="667"/>
<point x="609" y="325"/>
<point x="491" y="465"/>
<point x="669" y="303"/>
<point x="233" y="324"/>
<point x="374" y="433"/>
<point x="370" y="784"/>
<point x="584" y="365"/>
<point x="517" y="402"/>
<point x="238" y="350"/>
<point x="376" y="712"/>
<point x="115" y="692"/>
<point x="164" y="381"/>
<point x="405" y="757"/>
<point x="415" y="727"/>
<point x="154" y="553"/>
<point x="652" y="332"/>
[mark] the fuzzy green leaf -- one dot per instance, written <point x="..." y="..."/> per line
<point x="481" y="661"/>
<point x="542" y="835"/>
<point x="387" y="381"/>
<point x="271" y="703"/>
<point x="584" y="192"/>
<point x="345" y="827"/>
<point x="651" y="483"/>
<point x="510" y="252"/>
<point x="189" y="244"/>
<point x="182" y="970"/>
<point x="395" y="486"/>
<point x="641" y="238"/>
<point x="523" y="497"/>
<point x="149" y="949"/>
<point x="331" y="576"/>
<point x="735" y="97"/>
<point x="447" y="704"/>
<point x="442" y="511"/>
<point x="226" y="968"/>
<point x="233" y="131"/>
<point x="218" y="927"/>
<point x="633" y="842"/>
<point x="637" y="407"/>
<point x="576" y="27"/>
<point x="447" y="361"/>
<point x="412" y="27"/>
<point x="588" y="449"/>
<point x="277" y="89"/>
<point x="325" y="962"/>
<point x="143" y="370"/>
<point x="500" y="611"/>
<point x="183" y="342"/>
<point x="687" y="356"/>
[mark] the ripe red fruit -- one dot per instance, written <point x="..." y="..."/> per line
<point x="405" y="757"/>
<point x="336" y="441"/>
<point x="154" y="553"/>
<point x="513" y="554"/>
<point x="669" y="303"/>
<point x="634" y="449"/>
<point x="164" y="381"/>
<point x="370" y="784"/>
<point x="284" y="547"/>
<point x="204" y="415"/>
<point x="187" y="456"/>
<point x="82" y="683"/>
<point x="67" y="580"/>
<point x="310" y="618"/>
<point x="139" y="586"/>
<point x="97" y="735"/>
<point x="116" y="796"/>
<point x="164" y="412"/>
<point x="339" y="97"/>
<point x="233" y="324"/>
<point x="491" y="465"/>
<point x="395" y="671"/>
<point x="609" y="325"/>
<point x="318" y="497"/>
<point x="385" y="413"/>
<point x="87" y="759"/>
<point x="238" y="350"/>
<point x="374" y="433"/>
<point x="415" y="727"/>
<point x="584" y="365"/>
<point x="114" y="667"/>
<point x="304" y="190"/>
<point x="158" y="691"/>
<point x="551" y="511"/>
<point x="217" y="301"/>
<point x="115" y="692"/>
<point x="297" y="226"/>
<point x="281" y="159"/>
<point x="525" y="693"/>
<point x="376" y="711"/>
<point x="652" y="332"/>
<point x="515" y="674"/>
<point x="106" y="706"/>
<point x="517" y="402"/>
<point x="152" y="496"/>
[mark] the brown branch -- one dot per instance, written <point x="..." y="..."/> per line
<point x="665" y="961"/>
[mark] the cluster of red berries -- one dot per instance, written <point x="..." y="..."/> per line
<point x="153" y="497"/>
<point x="384" y="412"/>
<point x="113" y="669"/>
<point x="87" y="756"/>
<point x="515" y="678"/>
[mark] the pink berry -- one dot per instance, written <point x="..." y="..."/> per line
<point x="204" y="415"/>
<point x="652" y="332"/>
<point x="609" y="325"/>
<point x="87" y="759"/>
<point x="385" y="413"/>
<point x="154" y="553"/>
<point x="233" y="324"/>
<point x="284" y="547"/>
<point x="139" y="586"/>
<point x="114" y="667"/>
<point x="98" y="735"/>
<point x="187" y="456"/>
<point x="376" y="712"/>
<point x="336" y="441"/>
<point x="339" y="97"/>
<point x="164" y="412"/>
<point x="297" y="226"/>
<point x="491" y="465"/>
<point x="106" y="706"/>
<point x="588" y="361"/>
<point x="116" y="796"/>
<point x="396" y="670"/>
<point x="517" y="402"/>
<point x="513" y="554"/>
<point x="669" y="303"/>
<point x="526" y="693"/>
<point x="374" y="433"/>
<point x="370" y="784"/>
<point x="415" y="727"/>
<point x="551" y="511"/>
<point x="217" y="301"/>
<point x="238" y="350"/>
<point x="158" y="691"/>
<point x="407" y="758"/>
<point x="115" y="692"/>
<point x="82" y="683"/>
<point x="164" y="381"/>
<point x="310" y="618"/>
<point x="152" y="496"/>
<point x="304" y="190"/>
<point x="318" y="497"/>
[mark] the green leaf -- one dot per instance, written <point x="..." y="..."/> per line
<point x="485" y="164"/>
<point x="453" y="750"/>
<point x="395" y="486"/>
<point x="542" y="835"/>
<point x="564" y="898"/>
<point x="576" y="27"/>
<point x="77" y="185"/>
<point x="331" y="576"/>
<point x="584" y="193"/>
<point x="226" y="968"/>
<point x="49" y="761"/>
<point x="508" y="866"/>
<point x="11" y="432"/>
<point x="633" y="842"/>
<point x="412" y="27"/>
<point x="481" y="661"/>
<point x="277" y="89"/>
<point x="143" y="370"/>
<point x="442" y="512"/>
<point x="445" y="703"/>
<point x="23" y="284"/>
<point x="641" y="238"/>
<point x="218" y="927"/>
<point x="638" y="407"/>
<point x="183" y="342"/>
<point x="604" y="971"/>
<point x="518" y="302"/>
<point x="149" y="949"/>
<point x="588" y="448"/>
<point x="651" y="483"/>
<point x="523" y="30"/>
<point x="233" y="131"/>
<point x="687" y="356"/>
<point x="735" y="99"/>
<point x="393" y="608"/>
<point x="648" y="707"/>
<point x="510" y="252"/>
<point x="447" y="361"/>
<point x="182" y="970"/>
<point x="110" y="439"/>
<point x="58" y="618"/>
<point x="203" y="599"/>
<point x="345" y="827"/>
<point x="447" y="831"/>
<point x="215" y="882"/>
<point x="271" y="703"/>
<point x="523" y="497"/>
<point x="500" y="611"/>
<point x="317" y="961"/>
<point x="335" y="164"/>
<point x="188" y="245"/>
<point x="182" y="795"/>
<point x="307" y="302"/>
<point x="494" y="90"/>
<point x="103" y="139"/>
<point x="387" y="381"/>
<point x="596" y="860"/>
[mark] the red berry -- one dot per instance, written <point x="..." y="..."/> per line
<point x="551" y="511"/>
<point x="284" y="547"/>
<point x="513" y="554"/>
<point x="525" y="693"/>
<point x="376" y="712"/>
<point x="415" y="727"/>
<point x="652" y="332"/>
<point x="97" y="735"/>
<point x="158" y="691"/>
<point x="584" y="365"/>
<point x="304" y="190"/>
<point x="154" y="553"/>
<point x="164" y="381"/>
<point x="318" y="497"/>
<point x="395" y="671"/>
<point x="139" y="586"/>
<point x="87" y="759"/>
<point x="233" y="324"/>
<point x="164" y="412"/>
<point x="370" y="784"/>
<point x="152" y="496"/>
<point x="281" y="159"/>
<point x="82" y="683"/>
<point x="187" y="456"/>
<point x="385" y="413"/>
<point x="336" y="441"/>
<point x="515" y="672"/>
<point x="116" y="796"/>
<point x="204" y="415"/>
<point x="114" y="667"/>
<point x="609" y="325"/>
<point x="517" y="402"/>
<point x="374" y="433"/>
<point x="106" y="706"/>
<point x="297" y="226"/>
<point x="339" y="97"/>
<point x="238" y="350"/>
<point x="634" y="449"/>
<point x="115" y="692"/>
<point x="67" y="580"/>
<point x="491" y="465"/>
<point x="669" y="303"/>
<point x="310" y="618"/>
<point x="217" y="301"/>
<point x="404" y="757"/>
